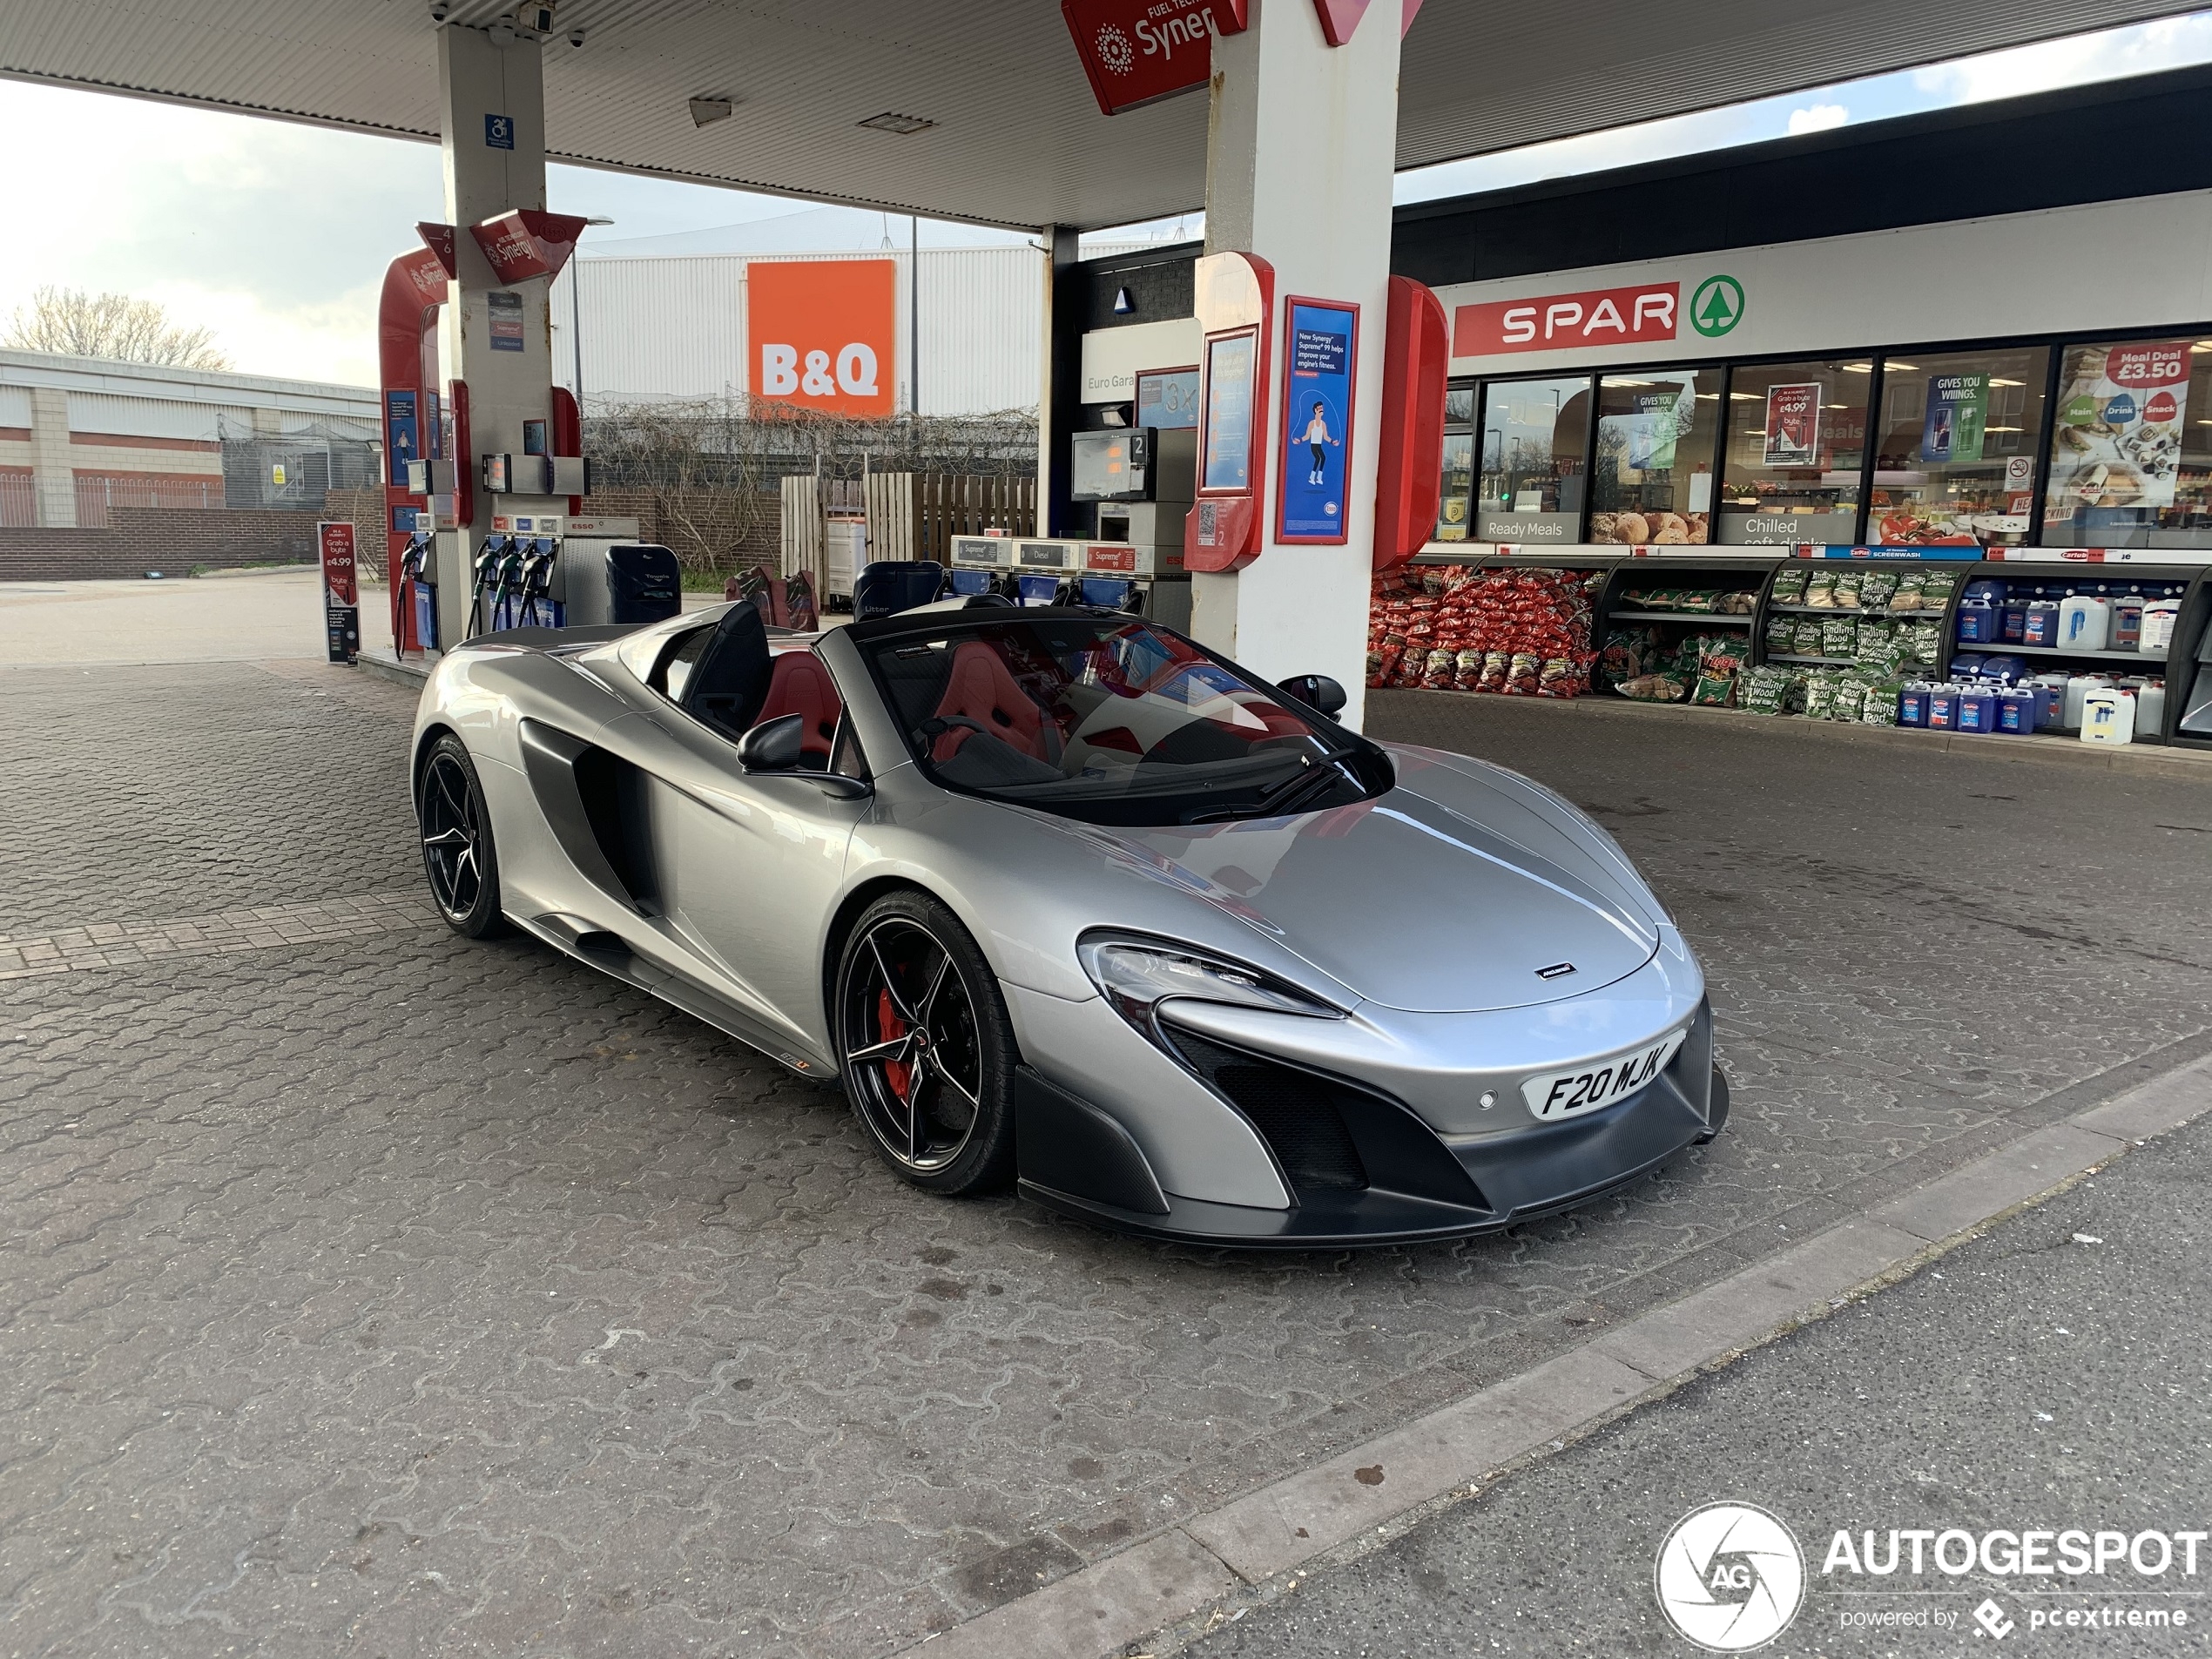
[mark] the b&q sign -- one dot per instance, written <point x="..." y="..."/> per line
<point x="823" y="333"/>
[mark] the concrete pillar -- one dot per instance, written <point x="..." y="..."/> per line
<point x="494" y="142"/>
<point x="1301" y="150"/>
<point x="53" y="476"/>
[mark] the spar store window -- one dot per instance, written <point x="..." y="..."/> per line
<point x="2131" y="446"/>
<point x="1453" y="502"/>
<point x="1652" y="478"/>
<point x="1955" y="462"/>
<point x="1797" y="446"/>
<point x="1531" y="445"/>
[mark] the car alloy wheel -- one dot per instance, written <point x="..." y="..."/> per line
<point x="457" y="853"/>
<point x="914" y="1052"/>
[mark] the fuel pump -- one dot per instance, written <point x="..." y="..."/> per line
<point x="414" y="595"/>
<point x="1141" y="478"/>
<point x="458" y="464"/>
<point x="484" y="588"/>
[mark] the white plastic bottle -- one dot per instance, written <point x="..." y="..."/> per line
<point x="2158" y="626"/>
<point x="2085" y="622"/>
<point x="2107" y="716"/>
<point x="2077" y="689"/>
<point x="2150" y="708"/>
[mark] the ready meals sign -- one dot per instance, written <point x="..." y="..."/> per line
<point x="1649" y="311"/>
<point x="823" y="333"/>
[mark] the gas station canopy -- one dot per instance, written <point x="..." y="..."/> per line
<point x="1013" y="136"/>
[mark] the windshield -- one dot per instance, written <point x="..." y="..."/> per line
<point x="1112" y="721"/>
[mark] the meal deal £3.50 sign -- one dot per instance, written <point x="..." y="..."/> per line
<point x="823" y="333"/>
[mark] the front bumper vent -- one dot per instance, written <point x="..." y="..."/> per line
<point x="1296" y="1113"/>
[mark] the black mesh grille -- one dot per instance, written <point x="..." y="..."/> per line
<point x="1295" y="1112"/>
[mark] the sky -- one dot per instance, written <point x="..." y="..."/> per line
<point x="275" y="237"/>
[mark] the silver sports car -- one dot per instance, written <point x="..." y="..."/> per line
<point x="1062" y="897"/>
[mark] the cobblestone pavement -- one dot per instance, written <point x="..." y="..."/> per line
<point x="392" y="1293"/>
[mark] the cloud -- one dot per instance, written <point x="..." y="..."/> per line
<point x="2140" y="48"/>
<point x="1818" y="119"/>
<point x="274" y="235"/>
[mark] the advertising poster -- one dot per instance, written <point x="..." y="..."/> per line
<point x="1793" y="425"/>
<point x="1317" y="420"/>
<point x="341" y="594"/>
<point x="2117" y="441"/>
<point x="1229" y="413"/>
<point x="402" y="434"/>
<point x="1643" y="439"/>
<point x="1167" y="398"/>
<point x="1957" y="412"/>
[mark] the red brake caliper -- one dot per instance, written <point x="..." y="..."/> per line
<point x="889" y="1028"/>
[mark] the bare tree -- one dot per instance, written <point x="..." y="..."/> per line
<point x="114" y="326"/>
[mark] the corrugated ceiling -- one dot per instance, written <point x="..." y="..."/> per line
<point x="1018" y="140"/>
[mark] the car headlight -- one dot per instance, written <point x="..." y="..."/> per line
<point x="1137" y="975"/>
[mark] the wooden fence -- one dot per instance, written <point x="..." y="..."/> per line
<point x="910" y="515"/>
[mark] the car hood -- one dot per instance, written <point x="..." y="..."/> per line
<point x="1445" y="894"/>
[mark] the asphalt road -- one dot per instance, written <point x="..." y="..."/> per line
<point x="2030" y="1380"/>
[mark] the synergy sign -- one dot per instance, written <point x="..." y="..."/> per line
<point x="1136" y="52"/>
<point x="824" y="334"/>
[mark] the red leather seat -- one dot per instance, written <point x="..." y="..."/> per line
<point x="798" y="683"/>
<point x="979" y="687"/>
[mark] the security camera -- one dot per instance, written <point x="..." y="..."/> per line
<point x="575" y="36"/>
<point x="439" y="11"/>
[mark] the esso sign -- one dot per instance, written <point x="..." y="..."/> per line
<point x="823" y="333"/>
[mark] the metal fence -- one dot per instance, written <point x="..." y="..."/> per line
<point x="18" y="500"/>
<point x="97" y="492"/>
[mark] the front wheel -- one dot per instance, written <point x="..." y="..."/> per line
<point x="457" y="853"/>
<point x="925" y="1047"/>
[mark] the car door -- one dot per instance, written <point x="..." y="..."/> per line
<point x="748" y="866"/>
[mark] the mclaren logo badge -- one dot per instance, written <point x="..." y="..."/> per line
<point x="1557" y="970"/>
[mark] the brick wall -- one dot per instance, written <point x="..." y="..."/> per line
<point x="170" y="539"/>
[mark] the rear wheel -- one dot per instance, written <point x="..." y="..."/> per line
<point x="925" y="1047"/>
<point x="457" y="853"/>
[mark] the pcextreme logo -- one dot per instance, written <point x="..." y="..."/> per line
<point x="1730" y="1577"/>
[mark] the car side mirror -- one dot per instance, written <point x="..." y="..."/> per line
<point x="773" y="745"/>
<point x="1317" y="691"/>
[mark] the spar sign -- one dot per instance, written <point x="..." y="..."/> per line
<point x="823" y="333"/>
<point x="1137" y="51"/>
<point x="1556" y="321"/>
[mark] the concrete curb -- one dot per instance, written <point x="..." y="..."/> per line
<point x="1166" y="1578"/>
<point x="410" y="674"/>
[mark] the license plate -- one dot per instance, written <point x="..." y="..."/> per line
<point x="1557" y="1094"/>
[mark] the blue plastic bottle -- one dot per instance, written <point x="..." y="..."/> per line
<point x="1943" y="708"/>
<point x="1912" y="704"/>
<point x="1978" y="709"/>
<point x="2042" y="625"/>
<point x="1977" y="615"/>
<point x="2016" y="710"/>
<point x="2011" y="618"/>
